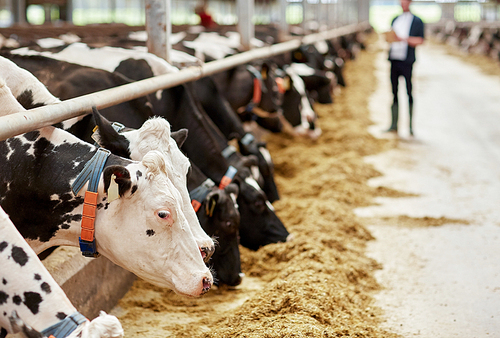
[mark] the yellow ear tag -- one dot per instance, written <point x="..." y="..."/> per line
<point x="263" y="74"/>
<point x="113" y="192"/>
<point x="286" y="82"/>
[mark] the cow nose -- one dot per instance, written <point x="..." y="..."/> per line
<point x="290" y="237"/>
<point x="207" y="284"/>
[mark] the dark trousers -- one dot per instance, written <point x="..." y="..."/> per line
<point x="404" y="69"/>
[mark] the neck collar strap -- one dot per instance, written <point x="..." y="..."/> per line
<point x="257" y="88"/>
<point x="228" y="177"/>
<point x="199" y="194"/>
<point x="247" y="139"/>
<point x="65" y="326"/>
<point x="228" y="151"/>
<point x="92" y="173"/>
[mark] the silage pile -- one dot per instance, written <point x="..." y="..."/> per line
<point x="319" y="285"/>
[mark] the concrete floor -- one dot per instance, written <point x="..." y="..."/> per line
<point x="440" y="281"/>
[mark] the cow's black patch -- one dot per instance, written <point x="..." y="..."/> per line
<point x="38" y="277"/>
<point x="4" y="281"/>
<point x="138" y="174"/>
<point x="32" y="301"/>
<point x="3" y="245"/>
<point x="65" y="226"/>
<point x="32" y="136"/>
<point x="134" y="189"/>
<point x="19" y="255"/>
<point x="26" y="100"/>
<point x="100" y="206"/>
<point x="61" y="315"/>
<point x="3" y="297"/>
<point x="106" y="206"/>
<point x="45" y="287"/>
<point x="29" y="180"/>
<point x="150" y="232"/>
<point x="17" y="299"/>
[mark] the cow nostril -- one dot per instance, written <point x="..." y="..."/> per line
<point x="207" y="284"/>
<point x="203" y="254"/>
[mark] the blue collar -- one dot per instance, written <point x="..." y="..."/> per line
<point x="65" y="326"/>
<point x="92" y="173"/>
<point x="199" y="194"/>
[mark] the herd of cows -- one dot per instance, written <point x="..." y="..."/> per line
<point x="166" y="186"/>
<point x="474" y="38"/>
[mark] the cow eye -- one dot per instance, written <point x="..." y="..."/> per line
<point x="163" y="214"/>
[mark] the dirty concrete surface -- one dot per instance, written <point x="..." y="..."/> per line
<point x="439" y="281"/>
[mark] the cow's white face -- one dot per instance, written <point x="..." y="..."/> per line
<point x="155" y="135"/>
<point x="147" y="232"/>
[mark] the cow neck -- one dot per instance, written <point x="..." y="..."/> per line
<point x="257" y="88"/>
<point x="91" y="173"/>
<point x="66" y="326"/>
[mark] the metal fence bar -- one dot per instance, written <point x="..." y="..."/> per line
<point x="22" y="122"/>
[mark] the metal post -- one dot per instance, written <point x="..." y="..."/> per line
<point x="245" y="10"/>
<point x="19" y="10"/>
<point x="158" y="27"/>
<point x="283" y="24"/>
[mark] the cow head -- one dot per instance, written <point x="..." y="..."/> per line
<point x="271" y="96"/>
<point x="259" y="224"/>
<point x="221" y="207"/>
<point x="155" y="135"/>
<point x="149" y="214"/>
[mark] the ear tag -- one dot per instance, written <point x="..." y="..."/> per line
<point x="95" y="135"/>
<point x="286" y="83"/>
<point x="210" y="208"/>
<point x="263" y="74"/>
<point x="113" y="192"/>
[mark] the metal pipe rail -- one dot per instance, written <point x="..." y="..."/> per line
<point x="26" y="121"/>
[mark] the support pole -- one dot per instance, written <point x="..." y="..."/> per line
<point x="245" y="10"/>
<point x="159" y="28"/>
<point x="19" y="10"/>
<point x="283" y="24"/>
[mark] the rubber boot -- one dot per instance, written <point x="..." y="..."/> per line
<point x="411" y="119"/>
<point x="395" y="115"/>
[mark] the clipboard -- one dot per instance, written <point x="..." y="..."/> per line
<point x="390" y="36"/>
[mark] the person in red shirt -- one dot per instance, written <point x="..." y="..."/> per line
<point x="205" y="18"/>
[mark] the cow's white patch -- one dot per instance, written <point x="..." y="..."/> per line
<point x="307" y="113"/>
<point x="266" y="154"/>
<point x="321" y="47"/>
<point x="54" y="197"/>
<point x="269" y="205"/>
<point x="255" y="172"/>
<point x="234" y="197"/>
<point x="250" y="181"/>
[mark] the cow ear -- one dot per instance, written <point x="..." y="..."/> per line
<point x="250" y="160"/>
<point x="232" y="188"/>
<point x="180" y="136"/>
<point x="121" y="178"/>
<point x="108" y="137"/>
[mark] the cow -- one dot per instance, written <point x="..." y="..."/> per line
<point x="206" y="91"/>
<point x="31" y="93"/>
<point x="59" y="190"/>
<point x="31" y="301"/>
<point x="297" y="108"/>
<point x="215" y="206"/>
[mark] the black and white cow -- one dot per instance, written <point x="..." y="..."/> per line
<point x="215" y="207"/>
<point x="31" y="93"/>
<point x="31" y="302"/>
<point x="128" y="211"/>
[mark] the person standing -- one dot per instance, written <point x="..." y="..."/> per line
<point x="408" y="32"/>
